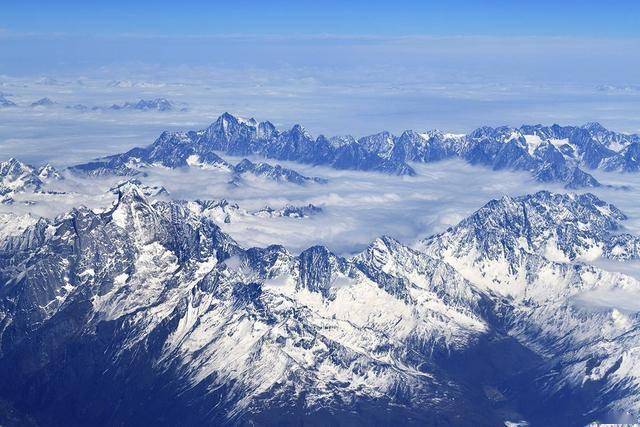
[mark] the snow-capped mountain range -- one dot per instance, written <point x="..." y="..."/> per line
<point x="157" y="104"/>
<point x="147" y="311"/>
<point x="551" y="153"/>
<point x="18" y="177"/>
<point x="148" y="307"/>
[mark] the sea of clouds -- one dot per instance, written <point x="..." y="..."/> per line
<point x="357" y="206"/>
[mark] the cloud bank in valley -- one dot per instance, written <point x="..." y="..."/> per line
<point x="357" y="206"/>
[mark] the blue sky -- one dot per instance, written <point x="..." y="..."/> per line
<point x="383" y="18"/>
<point x="335" y="66"/>
<point x="586" y="40"/>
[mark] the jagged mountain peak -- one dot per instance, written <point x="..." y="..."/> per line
<point x="379" y="142"/>
<point x="13" y="168"/>
<point x="16" y="176"/>
<point x="13" y="165"/>
<point x="252" y="122"/>
<point x="266" y="130"/>
<point x="276" y="173"/>
<point x="382" y="251"/>
<point x="156" y="104"/>
<point x="47" y="171"/>
<point x="244" y="164"/>
<point x="147" y="190"/>
<point x="299" y="133"/>
<point x="130" y="191"/>
<point x="157" y="291"/>
<point x="384" y="242"/>
<point x="227" y="125"/>
<point x="550" y="153"/>
<point x="484" y="131"/>
<point x="134" y="212"/>
<point x="594" y="127"/>
<point x="557" y="207"/>
<point x="503" y="236"/>
<point x="628" y="160"/>
<point x="226" y="117"/>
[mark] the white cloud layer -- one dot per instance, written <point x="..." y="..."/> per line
<point x="357" y="206"/>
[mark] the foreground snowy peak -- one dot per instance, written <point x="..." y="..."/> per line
<point x="153" y="293"/>
<point x="317" y="330"/>
<point x="170" y="224"/>
<point x="84" y="247"/>
<point x="403" y="269"/>
<point x="525" y="250"/>
<point x="559" y="226"/>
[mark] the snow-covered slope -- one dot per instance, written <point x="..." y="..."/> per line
<point x="269" y="328"/>
<point x="503" y="235"/>
<point x="148" y="307"/>
<point x="157" y="104"/>
<point x="18" y="177"/>
<point x="527" y="251"/>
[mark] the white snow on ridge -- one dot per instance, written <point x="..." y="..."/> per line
<point x="533" y="142"/>
<point x="13" y="225"/>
